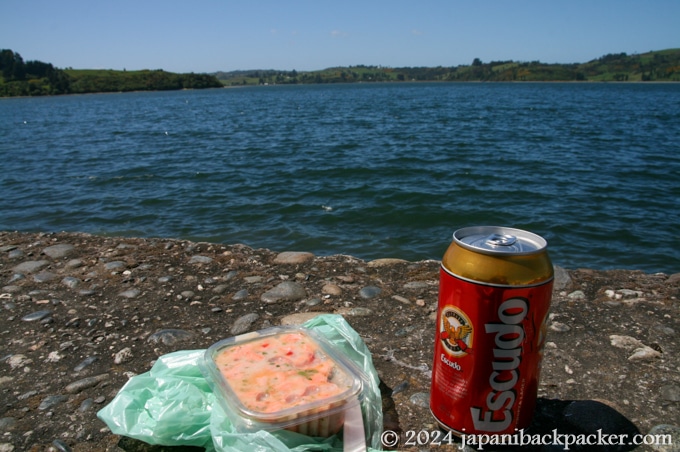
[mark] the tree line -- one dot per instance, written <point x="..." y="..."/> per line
<point x="36" y="78"/>
<point x="651" y="66"/>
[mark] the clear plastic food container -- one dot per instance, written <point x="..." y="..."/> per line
<point x="283" y="378"/>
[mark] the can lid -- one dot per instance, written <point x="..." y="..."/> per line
<point x="499" y="240"/>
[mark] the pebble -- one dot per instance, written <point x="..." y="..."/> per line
<point x="30" y="266"/>
<point x="559" y="327"/>
<point x="331" y="289"/>
<point x="421" y="399"/>
<point x="240" y="295"/>
<point x="293" y="257"/>
<point x="16" y="254"/>
<point x="627" y="342"/>
<point x="85" y="383"/>
<point x="577" y="295"/>
<point x="59" y="251"/>
<point x="85" y="363"/>
<point x="562" y="278"/>
<point x="200" y="260"/>
<point x="243" y="323"/>
<point x="86" y="405"/>
<point x="170" y="336"/>
<point x="667" y="430"/>
<point x="644" y="353"/>
<point x="130" y="293"/>
<point x="114" y="265"/>
<point x="671" y="393"/>
<point x="401" y="299"/>
<point x="7" y="424"/>
<point x="285" y="291"/>
<point x="74" y="263"/>
<point x="416" y="285"/>
<point x="70" y="282"/>
<point x="61" y="446"/>
<point x="220" y="289"/>
<point x="18" y="360"/>
<point x="51" y="401"/>
<point x="42" y="277"/>
<point x="369" y="292"/>
<point x="356" y="312"/>
<point x="123" y="356"/>
<point x="403" y="386"/>
<point x="38" y="315"/>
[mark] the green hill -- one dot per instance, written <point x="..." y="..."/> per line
<point x="35" y="78"/>
<point x="661" y="65"/>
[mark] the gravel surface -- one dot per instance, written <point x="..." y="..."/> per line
<point x="81" y="314"/>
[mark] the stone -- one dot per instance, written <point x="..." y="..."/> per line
<point x="293" y="257"/>
<point x="331" y="289"/>
<point x="369" y="292"/>
<point x="30" y="266"/>
<point x="18" y="360"/>
<point x="562" y="279"/>
<point x="123" y="356"/>
<point x="243" y="323"/>
<point x="59" y="251"/>
<point x="85" y="363"/>
<point x="130" y="293"/>
<point x="200" y="260"/>
<point x="668" y="438"/>
<point x="644" y="354"/>
<point x="220" y="289"/>
<point x="44" y="276"/>
<point x="115" y="265"/>
<point x="170" y="336"/>
<point x="240" y="295"/>
<point x="80" y="385"/>
<point x="285" y="291"/>
<point x="401" y="299"/>
<point x="421" y="399"/>
<point x="670" y="392"/>
<point x="627" y="342"/>
<point x="577" y="295"/>
<point x="417" y="285"/>
<point x="70" y="282"/>
<point x="51" y="401"/>
<point x="559" y="327"/>
<point x="37" y="315"/>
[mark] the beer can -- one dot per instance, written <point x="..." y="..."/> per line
<point x="494" y="296"/>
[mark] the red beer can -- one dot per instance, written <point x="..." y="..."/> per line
<point x="494" y="295"/>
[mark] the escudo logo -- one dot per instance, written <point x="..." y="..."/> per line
<point x="456" y="332"/>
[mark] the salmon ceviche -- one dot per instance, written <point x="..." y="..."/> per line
<point x="279" y="372"/>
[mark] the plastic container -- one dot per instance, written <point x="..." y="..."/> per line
<point x="283" y="378"/>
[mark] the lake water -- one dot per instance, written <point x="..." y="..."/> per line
<point x="369" y="170"/>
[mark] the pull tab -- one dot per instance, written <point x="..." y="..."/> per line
<point x="500" y="240"/>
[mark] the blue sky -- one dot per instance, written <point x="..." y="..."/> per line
<point x="214" y="35"/>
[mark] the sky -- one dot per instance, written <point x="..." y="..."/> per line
<point x="225" y="35"/>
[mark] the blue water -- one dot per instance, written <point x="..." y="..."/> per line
<point x="369" y="170"/>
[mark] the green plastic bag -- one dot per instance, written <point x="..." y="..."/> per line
<point x="172" y="404"/>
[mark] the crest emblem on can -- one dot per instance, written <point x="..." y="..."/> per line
<point x="456" y="332"/>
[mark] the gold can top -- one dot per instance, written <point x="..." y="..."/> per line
<point x="500" y="256"/>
